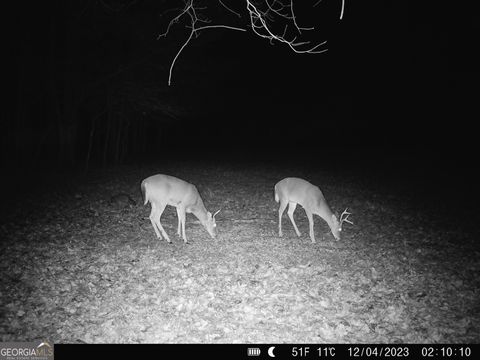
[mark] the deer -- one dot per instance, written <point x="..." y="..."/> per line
<point x="292" y="191"/>
<point x="162" y="190"/>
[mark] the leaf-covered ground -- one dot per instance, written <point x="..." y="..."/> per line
<point x="80" y="263"/>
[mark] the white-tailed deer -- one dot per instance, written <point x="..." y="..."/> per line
<point x="293" y="191"/>
<point x="162" y="190"/>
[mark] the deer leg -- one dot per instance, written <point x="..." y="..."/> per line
<point x="179" y="222"/>
<point x="291" y="209"/>
<point x="156" y="220"/>
<point x="310" y="223"/>
<point x="152" y="217"/>
<point x="281" y="209"/>
<point x="182" y="216"/>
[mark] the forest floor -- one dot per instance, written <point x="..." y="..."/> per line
<point x="80" y="263"/>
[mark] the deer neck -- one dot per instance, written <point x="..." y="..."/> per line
<point x="326" y="214"/>
<point x="199" y="211"/>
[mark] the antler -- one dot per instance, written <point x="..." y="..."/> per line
<point x="345" y="212"/>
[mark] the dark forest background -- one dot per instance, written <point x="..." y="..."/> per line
<point x="91" y="86"/>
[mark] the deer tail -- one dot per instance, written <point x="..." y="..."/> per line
<point x="144" y="193"/>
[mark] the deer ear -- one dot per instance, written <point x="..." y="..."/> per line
<point x="334" y="218"/>
<point x="209" y="214"/>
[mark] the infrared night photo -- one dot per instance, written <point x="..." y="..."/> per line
<point x="240" y="172"/>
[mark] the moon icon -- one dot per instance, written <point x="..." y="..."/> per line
<point x="270" y="351"/>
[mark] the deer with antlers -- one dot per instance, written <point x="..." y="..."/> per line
<point x="292" y="191"/>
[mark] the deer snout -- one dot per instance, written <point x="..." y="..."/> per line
<point x="212" y="233"/>
<point x="336" y="235"/>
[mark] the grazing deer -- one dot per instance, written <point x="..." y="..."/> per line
<point x="293" y="191"/>
<point x="162" y="190"/>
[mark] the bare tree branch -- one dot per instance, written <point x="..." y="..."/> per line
<point x="191" y="11"/>
<point x="261" y="27"/>
<point x="229" y="9"/>
<point x="341" y="11"/>
<point x="265" y="17"/>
